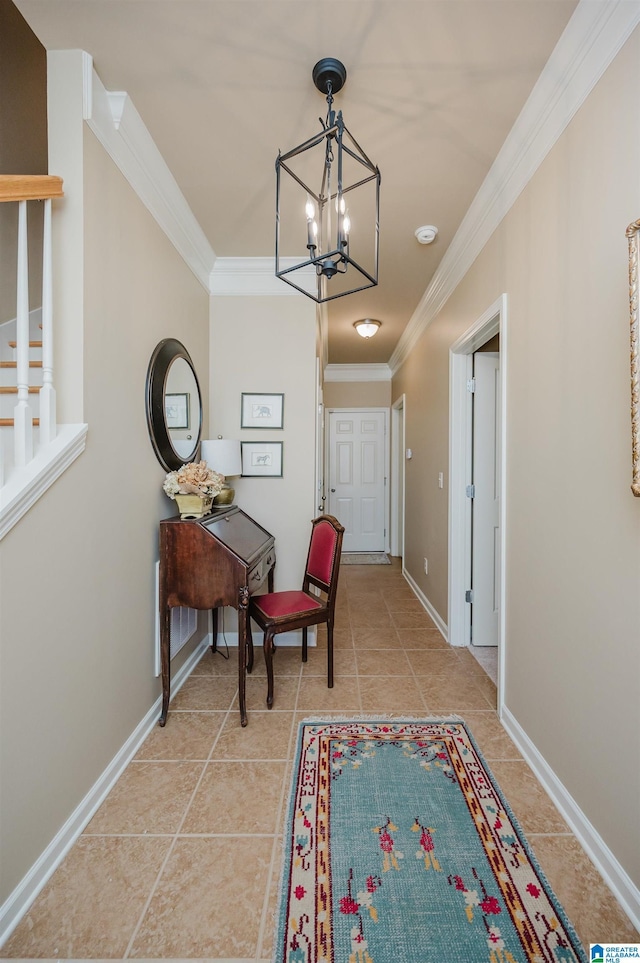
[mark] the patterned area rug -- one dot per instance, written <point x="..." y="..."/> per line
<point x="400" y="848"/>
<point x="364" y="558"/>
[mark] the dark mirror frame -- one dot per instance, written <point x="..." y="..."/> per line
<point x="164" y="354"/>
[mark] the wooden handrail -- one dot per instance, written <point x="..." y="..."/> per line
<point x="29" y="187"/>
<point x="9" y="422"/>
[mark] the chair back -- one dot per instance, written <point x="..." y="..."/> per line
<point x="323" y="560"/>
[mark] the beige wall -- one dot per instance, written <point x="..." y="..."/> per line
<point x="424" y="379"/>
<point x="266" y="344"/>
<point x="77" y="572"/>
<point x="357" y="394"/>
<point x="573" y="527"/>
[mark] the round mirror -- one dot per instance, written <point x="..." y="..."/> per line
<point x="174" y="405"/>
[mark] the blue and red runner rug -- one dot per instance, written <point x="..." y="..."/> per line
<point x="400" y="848"/>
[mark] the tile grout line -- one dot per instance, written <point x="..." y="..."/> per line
<point x="172" y="845"/>
<point x="278" y="842"/>
<point x="264" y="835"/>
<point x="415" y="677"/>
<point x="413" y="673"/>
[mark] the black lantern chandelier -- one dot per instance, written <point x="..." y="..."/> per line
<point x="328" y="196"/>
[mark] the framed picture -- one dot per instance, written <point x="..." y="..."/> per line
<point x="633" y="232"/>
<point x="262" y="411"/>
<point x="176" y="410"/>
<point x="261" y="458"/>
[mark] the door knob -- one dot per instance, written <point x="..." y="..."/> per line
<point x="333" y="489"/>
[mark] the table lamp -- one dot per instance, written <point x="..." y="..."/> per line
<point x="223" y="455"/>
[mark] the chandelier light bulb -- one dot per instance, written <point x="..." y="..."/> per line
<point x="312" y="227"/>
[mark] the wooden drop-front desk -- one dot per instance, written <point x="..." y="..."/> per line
<point x="208" y="562"/>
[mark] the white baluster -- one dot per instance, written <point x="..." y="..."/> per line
<point x="47" y="392"/>
<point x="23" y="427"/>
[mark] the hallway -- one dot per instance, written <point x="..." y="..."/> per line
<point x="183" y="858"/>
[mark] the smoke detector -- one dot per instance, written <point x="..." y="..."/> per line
<point x="426" y="234"/>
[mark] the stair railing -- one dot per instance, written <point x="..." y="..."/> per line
<point x="23" y="189"/>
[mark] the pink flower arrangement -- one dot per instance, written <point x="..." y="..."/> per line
<point x="195" y="478"/>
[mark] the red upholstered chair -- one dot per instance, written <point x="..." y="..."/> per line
<point x="285" y="611"/>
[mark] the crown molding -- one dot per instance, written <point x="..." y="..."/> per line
<point x="254" y="276"/>
<point x="118" y="126"/>
<point x="357" y="372"/>
<point x="590" y="41"/>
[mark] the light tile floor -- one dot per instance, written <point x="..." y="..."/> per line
<point x="183" y="858"/>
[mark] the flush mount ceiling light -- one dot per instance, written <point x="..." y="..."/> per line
<point x="328" y="197"/>
<point x="426" y="234"/>
<point x="367" y="327"/>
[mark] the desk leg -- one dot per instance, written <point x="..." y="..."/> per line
<point x="243" y="615"/>
<point x="165" y="641"/>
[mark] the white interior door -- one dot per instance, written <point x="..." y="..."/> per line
<point x="485" y="564"/>
<point x="357" y="483"/>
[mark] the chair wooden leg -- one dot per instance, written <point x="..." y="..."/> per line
<point x="330" y="655"/>
<point x="249" y="646"/>
<point x="268" y="658"/>
<point x="304" y="644"/>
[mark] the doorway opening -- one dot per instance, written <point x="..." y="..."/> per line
<point x="462" y="598"/>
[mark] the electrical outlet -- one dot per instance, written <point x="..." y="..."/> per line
<point x="426" y="567"/>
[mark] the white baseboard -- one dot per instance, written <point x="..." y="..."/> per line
<point x="614" y="875"/>
<point x="17" y="904"/>
<point x="441" y="625"/>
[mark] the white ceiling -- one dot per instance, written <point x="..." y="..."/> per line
<point x="433" y="88"/>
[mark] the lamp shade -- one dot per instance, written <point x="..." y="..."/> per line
<point x="223" y="455"/>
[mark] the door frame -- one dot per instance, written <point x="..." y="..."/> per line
<point x="397" y="494"/>
<point x="493" y="320"/>
<point x="486" y="441"/>
<point x="336" y="408"/>
<point x="320" y="495"/>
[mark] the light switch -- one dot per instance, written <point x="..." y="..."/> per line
<point x="440" y="479"/>
<point x="409" y="454"/>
